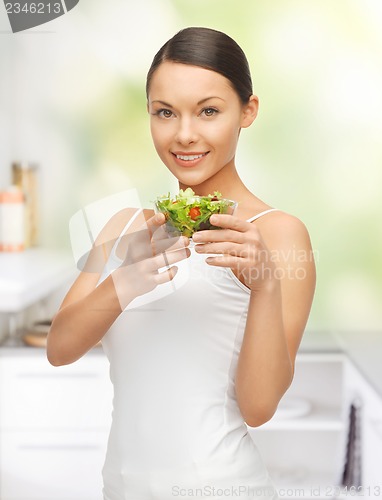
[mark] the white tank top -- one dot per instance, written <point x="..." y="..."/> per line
<point x="176" y="421"/>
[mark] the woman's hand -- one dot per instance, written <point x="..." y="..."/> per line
<point x="240" y="247"/>
<point x="146" y="251"/>
<point x="148" y="240"/>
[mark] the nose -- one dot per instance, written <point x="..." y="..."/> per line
<point x="186" y="132"/>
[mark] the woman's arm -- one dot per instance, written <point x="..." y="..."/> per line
<point x="80" y="324"/>
<point x="88" y="310"/>
<point x="278" y="311"/>
<point x="277" y="265"/>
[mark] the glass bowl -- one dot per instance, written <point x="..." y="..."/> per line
<point x="187" y="216"/>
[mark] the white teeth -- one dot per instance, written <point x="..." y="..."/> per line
<point x="189" y="157"/>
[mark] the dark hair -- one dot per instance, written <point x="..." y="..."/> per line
<point x="208" y="49"/>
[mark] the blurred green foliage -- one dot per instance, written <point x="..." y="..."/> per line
<point x="314" y="150"/>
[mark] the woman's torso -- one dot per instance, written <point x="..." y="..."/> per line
<point x="173" y="355"/>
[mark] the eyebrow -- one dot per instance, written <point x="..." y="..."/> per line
<point x="163" y="103"/>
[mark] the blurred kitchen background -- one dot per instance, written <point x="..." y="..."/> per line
<point x="72" y="101"/>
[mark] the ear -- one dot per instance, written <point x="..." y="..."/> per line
<point x="250" y="111"/>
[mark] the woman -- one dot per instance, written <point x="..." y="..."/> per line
<point x="197" y="365"/>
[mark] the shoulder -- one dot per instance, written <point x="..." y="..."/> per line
<point x="290" y="250"/>
<point x="288" y="241"/>
<point x="280" y="229"/>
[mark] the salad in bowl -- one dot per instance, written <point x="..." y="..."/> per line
<point x="187" y="212"/>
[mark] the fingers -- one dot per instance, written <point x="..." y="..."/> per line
<point x="146" y="247"/>
<point x="166" y="276"/>
<point x="170" y="244"/>
<point x="149" y="227"/>
<point x="155" y="222"/>
<point x="224" y="247"/>
<point x="233" y="229"/>
<point x="160" y="239"/>
<point x="166" y="259"/>
<point x="224" y="261"/>
<point x="148" y="240"/>
<point x="229" y="222"/>
<point x="133" y="280"/>
<point x="223" y="236"/>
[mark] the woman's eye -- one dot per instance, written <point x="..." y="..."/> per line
<point x="164" y="113"/>
<point x="210" y="111"/>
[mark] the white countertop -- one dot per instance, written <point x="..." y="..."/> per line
<point x="29" y="276"/>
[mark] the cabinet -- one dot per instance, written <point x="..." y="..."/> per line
<point x="303" y="444"/>
<point x="371" y="429"/>
<point x="306" y="453"/>
<point x="54" y="424"/>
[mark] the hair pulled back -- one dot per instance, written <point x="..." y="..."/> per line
<point x="209" y="49"/>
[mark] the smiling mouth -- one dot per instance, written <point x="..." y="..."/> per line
<point x="190" y="157"/>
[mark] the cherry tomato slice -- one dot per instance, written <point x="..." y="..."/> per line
<point x="194" y="213"/>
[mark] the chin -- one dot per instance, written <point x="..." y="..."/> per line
<point x="192" y="182"/>
<point x="189" y="179"/>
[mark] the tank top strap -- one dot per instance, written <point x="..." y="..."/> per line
<point x="130" y="222"/>
<point x="257" y="216"/>
<point x="113" y="261"/>
<point x="113" y="254"/>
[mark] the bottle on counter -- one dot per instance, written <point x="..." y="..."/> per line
<point x="24" y="175"/>
<point x="12" y="221"/>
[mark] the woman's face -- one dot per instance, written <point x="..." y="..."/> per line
<point x="195" y="119"/>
